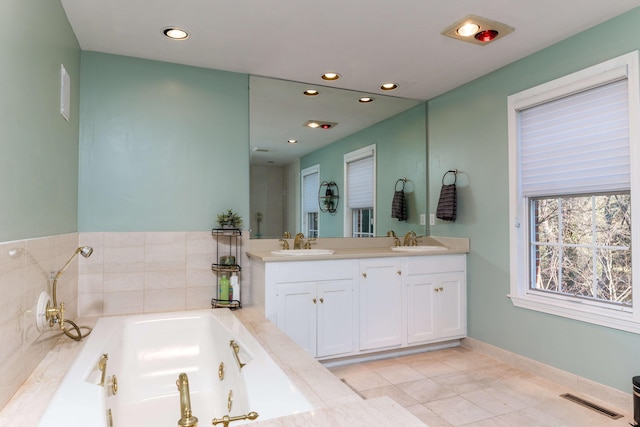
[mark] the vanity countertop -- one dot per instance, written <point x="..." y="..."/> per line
<point x="358" y="248"/>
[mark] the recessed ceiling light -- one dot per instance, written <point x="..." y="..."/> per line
<point x="311" y="92"/>
<point x="388" y="86"/>
<point x="330" y="76"/>
<point x="175" y="33"/>
<point x="292" y="141"/>
<point x="468" y="29"/>
<point x="477" y="30"/>
<point x="486" y="36"/>
<point x="366" y="99"/>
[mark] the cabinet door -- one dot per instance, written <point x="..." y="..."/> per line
<point x="451" y="306"/>
<point x="296" y="313"/>
<point x="420" y="308"/>
<point x="380" y="303"/>
<point x="335" y="318"/>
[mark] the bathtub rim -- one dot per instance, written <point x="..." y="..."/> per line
<point x="90" y="408"/>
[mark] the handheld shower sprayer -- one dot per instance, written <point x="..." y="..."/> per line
<point x="55" y="314"/>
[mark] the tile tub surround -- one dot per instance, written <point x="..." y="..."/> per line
<point x="337" y="405"/>
<point x="23" y="276"/>
<point x="147" y="272"/>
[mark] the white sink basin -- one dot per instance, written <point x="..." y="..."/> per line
<point x="304" y="252"/>
<point x="417" y="248"/>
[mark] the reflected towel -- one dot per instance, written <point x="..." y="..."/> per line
<point x="399" y="206"/>
<point x="447" y="203"/>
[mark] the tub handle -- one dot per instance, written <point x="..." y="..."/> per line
<point x="221" y="371"/>
<point x="114" y="384"/>
<point x="236" y="349"/>
<point x="227" y="419"/>
<point x="102" y="366"/>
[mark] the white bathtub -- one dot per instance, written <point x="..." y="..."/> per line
<point x="147" y="353"/>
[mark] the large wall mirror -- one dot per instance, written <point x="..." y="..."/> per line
<point x="279" y="112"/>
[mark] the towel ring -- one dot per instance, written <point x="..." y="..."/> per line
<point x="403" y="180"/>
<point x="455" y="175"/>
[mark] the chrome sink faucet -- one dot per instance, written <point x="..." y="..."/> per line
<point x="298" y="241"/>
<point x="410" y="239"/>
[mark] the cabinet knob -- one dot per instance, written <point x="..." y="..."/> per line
<point x="440" y="289"/>
<point x="321" y="300"/>
<point x="364" y="275"/>
<point x="399" y="273"/>
<point x="315" y="301"/>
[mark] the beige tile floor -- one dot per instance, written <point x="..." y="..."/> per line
<point x="460" y="387"/>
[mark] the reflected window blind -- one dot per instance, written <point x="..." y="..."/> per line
<point x="310" y="184"/>
<point x="360" y="183"/>
<point x="576" y="144"/>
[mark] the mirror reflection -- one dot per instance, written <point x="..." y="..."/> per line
<point x="283" y="149"/>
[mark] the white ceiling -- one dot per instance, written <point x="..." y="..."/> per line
<point x="367" y="41"/>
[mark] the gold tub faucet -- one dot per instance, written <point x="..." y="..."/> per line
<point x="186" y="416"/>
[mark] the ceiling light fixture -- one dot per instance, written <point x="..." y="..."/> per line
<point x="175" y="33"/>
<point x="468" y="29"/>
<point x="318" y="124"/>
<point x="477" y="30"/>
<point x="330" y="76"/>
<point x="292" y="141"/>
<point x="388" y="86"/>
<point x="366" y="99"/>
<point x="311" y="92"/>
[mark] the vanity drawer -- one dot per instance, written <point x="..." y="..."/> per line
<point x="310" y="271"/>
<point x="435" y="264"/>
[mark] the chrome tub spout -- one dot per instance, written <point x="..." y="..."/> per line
<point x="186" y="416"/>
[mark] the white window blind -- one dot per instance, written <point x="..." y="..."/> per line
<point x="360" y="183"/>
<point x="310" y="185"/>
<point x="576" y="144"/>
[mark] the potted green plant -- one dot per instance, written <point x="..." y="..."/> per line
<point x="229" y="219"/>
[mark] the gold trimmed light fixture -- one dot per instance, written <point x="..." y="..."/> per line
<point x="175" y="33"/>
<point x="330" y="76"/>
<point x="477" y="30"/>
<point x="366" y="99"/>
<point x="388" y="86"/>
<point x="311" y="92"/>
<point x="292" y="141"/>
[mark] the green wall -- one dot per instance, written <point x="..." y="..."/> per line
<point x="163" y="147"/>
<point x="468" y="131"/>
<point x="39" y="148"/>
<point x="400" y="153"/>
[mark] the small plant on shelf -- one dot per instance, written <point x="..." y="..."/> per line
<point x="229" y="219"/>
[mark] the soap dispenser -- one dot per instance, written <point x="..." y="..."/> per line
<point x="223" y="288"/>
<point x="234" y="287"/>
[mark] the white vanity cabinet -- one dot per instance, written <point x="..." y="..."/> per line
<point x="317" y="315"/>
<point x="436" y="298"/>
<point x="355" y="306"/>
<point x="313" y="304"/>
<point x="380" y="298"/>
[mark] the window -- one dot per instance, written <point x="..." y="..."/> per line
<point x="310" y="185"/>
<point x="572" y="154"/>
<point x="359" y="220"/>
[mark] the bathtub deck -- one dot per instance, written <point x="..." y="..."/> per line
<point x="337" y="405"/>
